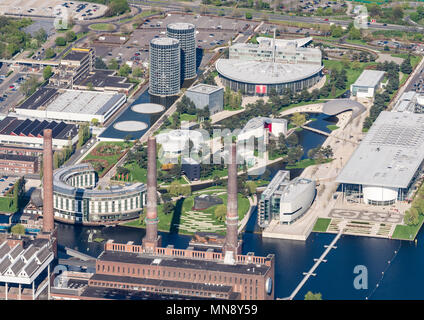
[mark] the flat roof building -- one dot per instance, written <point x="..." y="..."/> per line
<point x="73" y="105"/>
<point x="18" y="164"/>
<point x="206" y="95"/>
<point x="388" y="160"/>
<point x="367" y="83"/>
<point x="410" y="101"/>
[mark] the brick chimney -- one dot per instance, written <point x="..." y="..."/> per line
<point x="151" y="239"/>
<point x="231" y="239"/>
<point x="48" y="218"/>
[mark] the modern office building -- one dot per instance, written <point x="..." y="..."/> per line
<point x="285" y="200"/>
<point x="165" y="67"/>
<point x="28" y="133"/>
<point x="204" y="95"/>
<point x="253" y="77"/>
<point x="186" y="34"/>
<point x="77" y="201"/>
<point x="74" y="65"/>
<point x="174" y="143"/>
<point x="410" y="101"/>
<point x="278" y="50"/>
<point x="72" y="105"/>
<point x="387" y="163"/>
<point x="367" y="83"/>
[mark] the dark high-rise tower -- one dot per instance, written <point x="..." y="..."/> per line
<point x="151" y="239"/>
<point x="48" y="218"/>
<point x="186" y="34"/>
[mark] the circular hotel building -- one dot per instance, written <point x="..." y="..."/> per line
<point x="165" y="67"/>
<point x="260" y="77"/>
<point x="76" y="201"/>
<point x="185" y="33"/>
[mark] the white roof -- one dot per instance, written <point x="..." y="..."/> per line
<point x="369" y="78"/>
<point x="390" y="154"/>
<point x="262" y="72"/>
<point x="84" y="102"/>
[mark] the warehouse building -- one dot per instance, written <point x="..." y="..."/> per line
<point x="367" y="84"/>
<point x="72" y="105"/>
<point x="29" y="133"/>
<point x="207" y="95"/>
<point x="387" y="163"/>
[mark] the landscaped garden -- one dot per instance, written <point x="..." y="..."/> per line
<point x="105" y="155"/>
<point x="185" y="220"/>
<point x="321" y="225"/>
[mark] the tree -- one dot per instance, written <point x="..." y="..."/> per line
<point x="313" y="296"/>
<point x="60" y="41"/>
<point x="41" y="35"/>
<point x="124" y="71"/>
<point x="95" y="122"/>
<point x="137" y="72"/>
<point x="220" y="212"/>
<point x="47" y="72"/>
<point x="113" y="64"/>
<point x="117" y="7"/>
<point x="70" y="36"/>
<point x="298" y="119"/>
<point x="411" y="217"/>
<point x="175" y="189"/>
<point x="168" y="207"/>
<point x="397" y="13"/>
<point x="251" y="187"/>
<point x="50" y="53"/>
<point x="18" y="229"/>
<point x="83" y="135"/>
<point x="406" y="66"/>
<point x="99" y="64"/>
<point x="29" y="86"/>
<point x="248" y="15"/>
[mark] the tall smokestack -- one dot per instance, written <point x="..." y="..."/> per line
<point x="48" y="219"/>
<point x="231" y="239"/>
<point x="151" y="239"/>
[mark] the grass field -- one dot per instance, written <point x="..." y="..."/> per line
<point x="332" y="127"/>
<point x="302" y="164"/>
<point x="184" y="215"/>
<point x="7" y="205"/>
<point x="102" y="27"/>
<point x="403" y="232"/>
<point x="321" y="225"/>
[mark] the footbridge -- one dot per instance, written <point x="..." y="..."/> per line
<point x="317" y="263"/>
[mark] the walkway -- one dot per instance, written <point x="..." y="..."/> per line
<point x="316" y="130"/>
<point x="317" y="263"/>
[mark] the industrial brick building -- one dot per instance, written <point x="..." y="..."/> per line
<point x="11" y="163"/>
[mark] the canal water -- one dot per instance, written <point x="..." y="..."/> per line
<point x="129" y="115"/>
<point x="394" y="268"/>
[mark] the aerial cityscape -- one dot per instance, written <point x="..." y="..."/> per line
<point x="211" y="150"/>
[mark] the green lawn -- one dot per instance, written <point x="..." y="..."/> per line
<point x="332" y="127"/>
<point x="188" y="117"/>
<point x="321" y="225"/>
<point x="302" y="164"/>
<point x="137" y="173"/>
<point x="7" y="205"/>
<point x="403" y="232"/>
<point x="102" y="27"/>
<point x="166" y="220"/>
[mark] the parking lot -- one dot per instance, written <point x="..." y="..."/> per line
<point x="51" y="8"/>
<point x="311" y="6"/>
<point x="6" y="183"/>
<point x="9" y="91"/>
